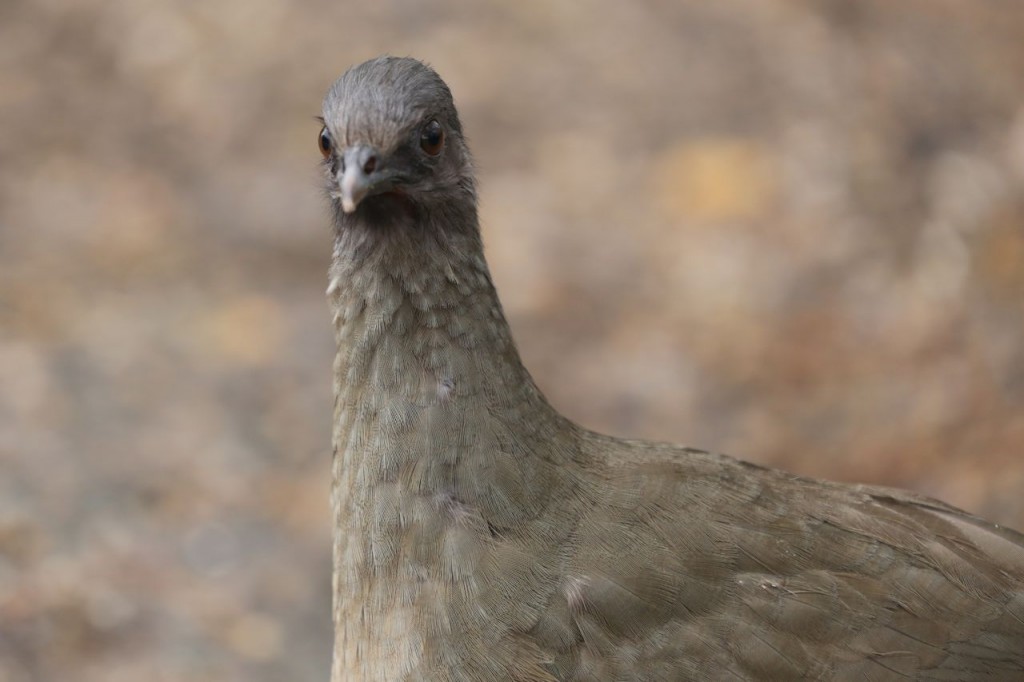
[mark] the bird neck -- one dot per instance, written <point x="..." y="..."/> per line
<point x="426" y="364"/>
<point x="442" y="441"/>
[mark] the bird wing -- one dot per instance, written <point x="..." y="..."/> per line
<point x="698" y="566"/>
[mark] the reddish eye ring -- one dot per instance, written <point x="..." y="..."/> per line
<point x="432" y="138"/>
<point x="325" y="143"/>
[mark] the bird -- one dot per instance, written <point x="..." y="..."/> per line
<point x="479" y="535"/>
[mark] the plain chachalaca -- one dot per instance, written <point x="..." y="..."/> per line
<point x="481" y="536"/>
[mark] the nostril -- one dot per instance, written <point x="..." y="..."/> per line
<point x="370" y="165"/>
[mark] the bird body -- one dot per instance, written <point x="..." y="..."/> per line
<point x="480" y="535"/>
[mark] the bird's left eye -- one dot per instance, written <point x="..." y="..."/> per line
<point x="325" y="143"/>
<point x="432" y="138"/>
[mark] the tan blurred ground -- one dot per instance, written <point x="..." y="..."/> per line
<point x="792" y="231"/>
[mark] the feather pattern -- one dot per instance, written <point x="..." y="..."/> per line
<point x="482" y="536"/>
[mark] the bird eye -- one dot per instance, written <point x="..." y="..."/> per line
<point x="325" y="143"/>
<point x="432" y="138"/>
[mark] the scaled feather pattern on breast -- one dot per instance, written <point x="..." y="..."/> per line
<point x="480" y="535"/>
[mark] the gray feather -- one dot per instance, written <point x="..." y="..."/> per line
<point x="480" y="535"/>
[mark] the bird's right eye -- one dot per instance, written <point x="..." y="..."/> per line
<point x="325" y="143"/>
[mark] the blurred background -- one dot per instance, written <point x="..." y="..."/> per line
<point x="789" y="230"/>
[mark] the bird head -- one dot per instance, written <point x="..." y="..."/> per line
<point x="392" y="142"/>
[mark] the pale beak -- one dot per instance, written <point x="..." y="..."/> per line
<point x="360" y="176"/>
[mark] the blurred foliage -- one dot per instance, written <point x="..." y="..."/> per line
<point x="791" y="230"/>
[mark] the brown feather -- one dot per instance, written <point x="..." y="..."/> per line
<point x="482" y="536"/>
